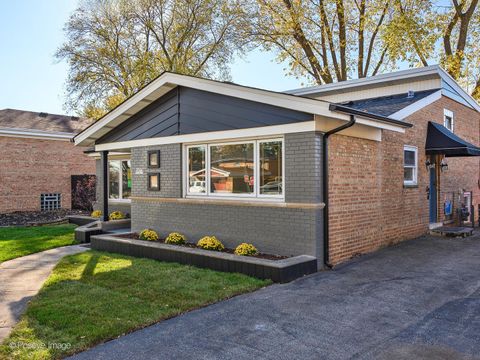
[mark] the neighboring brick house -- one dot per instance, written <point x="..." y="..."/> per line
<point x="330" y="171"/>
<point x="38" y="157"/>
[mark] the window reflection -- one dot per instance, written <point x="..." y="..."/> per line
<point x="271" y="168"/>
<point x="119" y="179"/>
<point x="196" y="170"/>
<point x="232" y="169"/>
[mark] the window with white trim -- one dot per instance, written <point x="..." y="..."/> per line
<point x="410" y="165"/>
<point x="237" y="169"/>
<point x="119" y="179"/>
<point x="448" y="119"/>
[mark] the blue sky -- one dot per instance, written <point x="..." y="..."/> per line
<point x="31" y="79"/>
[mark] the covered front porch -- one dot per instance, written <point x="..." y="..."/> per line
<point x="455" y="208"/>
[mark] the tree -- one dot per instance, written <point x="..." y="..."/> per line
<point x="115" y="47"/>
<point x="334" y="40"/>
<point x="330" y="40"/>
<point x="455" y="37"/>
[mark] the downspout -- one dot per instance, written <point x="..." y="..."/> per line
<point x="325" y="137"/>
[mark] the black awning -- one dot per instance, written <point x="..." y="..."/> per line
<point x="442" y="141"/>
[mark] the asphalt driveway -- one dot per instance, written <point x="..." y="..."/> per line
<point x="420" y="299"/>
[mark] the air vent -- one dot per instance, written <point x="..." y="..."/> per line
<point x="51" y="201"/>
<point x="43" y="114"/>
<point x="410" y="94"/>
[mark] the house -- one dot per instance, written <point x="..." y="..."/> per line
<point x="38" y="159"/>
<point x="330" y="171"/>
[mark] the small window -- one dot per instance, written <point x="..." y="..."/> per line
<point x="410" y="165"/>
<point x="154" y="159"/>
<point x="119" y="179"/>
<point x="50" y="202"/>
<point x="154" y="182"/>
<point x="448" y="119"/>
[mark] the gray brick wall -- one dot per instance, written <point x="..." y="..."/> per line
<point x="272" y="230"/>
<point x="303" y="167"/>
<point x="170" y="171"/>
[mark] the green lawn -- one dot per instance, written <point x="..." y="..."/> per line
<point x="95" y="296"/>
<point x="21" y="241"/>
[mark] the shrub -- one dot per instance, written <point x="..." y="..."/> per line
<point x="96" y="214"/>
<point x="149" y="235"/>
<point x="210" y="243"/>
<point x="245" y="249"/>
<point x="175" y="238"/>
<point x="117" y="215"/>
<point x="84" y="192"/>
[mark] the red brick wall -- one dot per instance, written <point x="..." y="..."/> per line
<point x="369" y="206"/>
<point x="29" y="167"/>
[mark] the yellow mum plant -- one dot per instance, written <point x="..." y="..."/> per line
<point x="210" y="243"/>
<point x="175" y="238"/>
<point x="149" y="235"/>
<point x="245" y="249"/>
<point x="117" y="215"/>
<point x="96" y="214"/>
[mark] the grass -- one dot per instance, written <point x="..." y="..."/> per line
<point x="21" y="241"/>
<point x="96" y="296"/>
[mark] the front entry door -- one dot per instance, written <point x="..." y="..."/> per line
<point x="432" y="196"/>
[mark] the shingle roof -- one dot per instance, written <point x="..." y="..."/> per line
<point x="388" y="105"/>
<point x="20" y="119"/>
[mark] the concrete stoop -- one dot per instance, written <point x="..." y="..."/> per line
<point x="83" y="233"/>
<point x="451" y="231"/>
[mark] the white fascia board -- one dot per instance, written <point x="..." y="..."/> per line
<point x="382" y="78"/>
<point x="420" y="104"/>
<point x="36" y="134"/>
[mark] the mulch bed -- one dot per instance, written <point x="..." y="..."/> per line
<point x="32" y="218"/>
<point x="136" y="236"/>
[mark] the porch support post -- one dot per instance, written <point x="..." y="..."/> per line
<point x="104" y="161"/>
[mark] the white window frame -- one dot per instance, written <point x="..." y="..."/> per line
<point x="415" y="168"/>
<point x="120" y="182"/>
<point x="448" y="113"/>
<point x="255" y="195"/>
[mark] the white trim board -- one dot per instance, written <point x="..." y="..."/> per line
<point x="359" y="130"/>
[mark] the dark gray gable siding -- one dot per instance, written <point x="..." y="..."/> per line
<point x="187" y="111"/>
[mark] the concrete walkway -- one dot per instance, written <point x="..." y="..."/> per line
<point x="417" y="300"/>
<point x="22" y="278"/>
